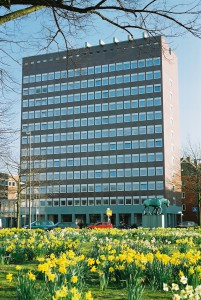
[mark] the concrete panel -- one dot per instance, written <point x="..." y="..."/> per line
<point x="153" y="221"/>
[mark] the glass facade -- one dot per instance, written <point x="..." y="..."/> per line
<point x="96" y="128"/>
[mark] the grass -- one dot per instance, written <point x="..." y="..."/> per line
<point x="7" y="289"/>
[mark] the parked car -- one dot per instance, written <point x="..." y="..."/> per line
<point x="66" y="225"/>
<point x="187" y="224"/>
<point x="45" y="225"/>
<point x="100" y="225"/>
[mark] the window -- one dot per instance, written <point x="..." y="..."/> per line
<point x="141" y="76"/>
<point x="119" y="79"/>
<point x="159" y="171"/>
<point x="157" y="101"/>
<point x="156" y="61"/>
<point x="83" y="71"/>
<point x="159" y="185"/>
<point x="150" y="129"/>
<point x="83" y="84"/>
<point x="126" y="65"/>
<point x="183" y="205"/>
<point x="158" y="128"/>
<point x="111" y="80"/>
<point x="141" y="63"/>
<point x="151" y="171"/>
<point x="149" y="89"/>
<point x="112" y="159"/>
<point x="90" y="70"/>
<point x="149" y="62"/>
<point x="128" y="186"/>
<point x="143" y="186"/>
<point x="127" y="118"/>
<point x="157" y="74"/>
<point x="143" y="157"/>
<point x="151" y="157"/>
<point x="119" y="66"/>
<point x="135" y="117"/>
<point x="113" y="173"/>
<point x="150" y="143"/>
<point x="105" y="81"/>
<point x="159" y="156"/>
<point x="158" y="143"/>
<point x="120" y="173"/>
<point x="134" y="77"/>
<point x="134" y="64"/>
<point x="157" y="88"/>
<point x="119" y="105"/>
<point x="143" y="144"/>
<point x="111" y="67"/>
<point x="150" y="115"/>
<point x="142" y="130"/>
<point x="126" y="91"/>
<point x="141" y="90"/>
<point x="98" y="82"/>
<point x="105" y="160"/>
<point x="127" y="172"/>
<point x="149" y="75"/>
<point x="127" y="145"/>
<point x="126" y="78"/>
<point x="151" y="185"/>
<point x="142" y="116"/>
<point x="119" y="92"/>
<point x="158" y="115"/>
<point x="97" y="69"/>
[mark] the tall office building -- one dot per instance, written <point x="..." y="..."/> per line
<point x="100" y="130"/>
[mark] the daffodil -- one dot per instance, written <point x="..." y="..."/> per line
<point x="165" y="287"/>
<point x="74" y="279"/>
<point x="88" y="296"/>
<point x="9" y="277"/>
<point x="184" y="280"/>
<point x="175" y="287"/>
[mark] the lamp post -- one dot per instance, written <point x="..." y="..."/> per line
<point x="29" y="134"/>
<point x="109" y="214"/>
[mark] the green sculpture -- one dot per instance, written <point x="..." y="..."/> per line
<point x="156" y="203"/>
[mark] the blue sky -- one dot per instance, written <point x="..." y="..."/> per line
<point x="188" y="51"/>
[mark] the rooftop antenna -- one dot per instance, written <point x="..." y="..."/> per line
<point x="115" y="40"/>
<point x="87" y="45"/>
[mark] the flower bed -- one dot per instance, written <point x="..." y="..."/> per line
<point x="69" y="262"/>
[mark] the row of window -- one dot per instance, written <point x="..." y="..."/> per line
<point x="116" y="132"/>
<point x="105" y="173"/>
<point x="101" y="120"/>
<point x="87" y="109"/>
<point x="89" y="201"/>
<point x="113" y="146"/>
<point x="93" y="134"/>
<point x="127" y="104"/>
<point x="142" y="63"/>
<point x="104" y="94"/>
<point x="102" y="187"/>
<point x="90" y="83"/>
<point x="93" y="161"/>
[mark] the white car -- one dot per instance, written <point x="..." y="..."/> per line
<point x="187" y="224"/>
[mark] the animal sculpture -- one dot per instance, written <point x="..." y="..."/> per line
<point x="156" y="203"/>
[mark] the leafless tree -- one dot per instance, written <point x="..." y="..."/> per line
<point x="154" y="16"/>
<point x="191" y="174"/>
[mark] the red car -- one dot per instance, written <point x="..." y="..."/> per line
<point x="100" y="225"/>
